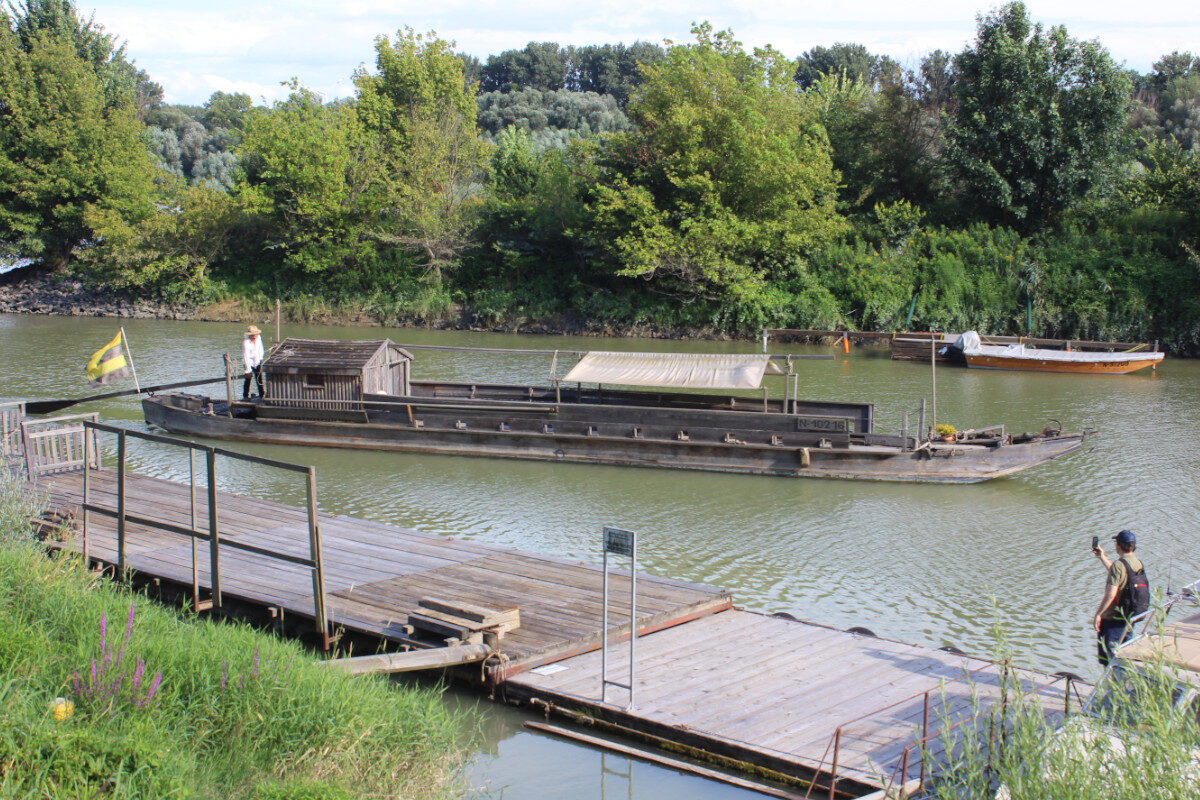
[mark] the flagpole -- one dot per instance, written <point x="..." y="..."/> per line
<point x="129" y="354"/>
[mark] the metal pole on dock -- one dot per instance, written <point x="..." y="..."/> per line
<point x="214" y="539"/>
<point x="904" y="433"/>
<point x="87" y="468"/>
<point x="921" y="420"/>
<point x="277" y="323"/>
<point x="195" y="568"/>
<point x="121" y="503"/>
<point x="318" y="574"/>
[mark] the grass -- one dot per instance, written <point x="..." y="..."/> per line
<point x="1137" y="746"/>
<point x="236" y="713"/>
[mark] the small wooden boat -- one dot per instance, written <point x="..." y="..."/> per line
<point x="360" y="395"/>
<point x="1033" y="359"/>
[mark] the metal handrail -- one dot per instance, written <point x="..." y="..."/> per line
<point x="212" y="536"/>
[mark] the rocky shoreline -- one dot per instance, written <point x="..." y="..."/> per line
<point x="70" y="297"/>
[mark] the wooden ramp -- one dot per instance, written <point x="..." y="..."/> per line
<point x="800" y="699"/>
<point x="374" y="574"/>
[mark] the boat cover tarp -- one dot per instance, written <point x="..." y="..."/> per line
<point x="1178" y="645"/>
<point x="972" y="346"/>
<point x="675" y="370"/>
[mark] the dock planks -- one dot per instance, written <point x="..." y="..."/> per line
<point x="771" y="692"/>
<point x="375" y="574"/>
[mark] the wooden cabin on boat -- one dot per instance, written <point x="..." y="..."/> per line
<point x="332" y="375"/>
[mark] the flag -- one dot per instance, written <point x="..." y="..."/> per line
<point x="108" y="363"/>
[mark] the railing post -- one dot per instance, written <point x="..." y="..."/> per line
<point x="195" y="568"/>
<point x="214" y="537"/>
<point x="87" y="468"/>
<point x="121" y="504"/>
<point x="318" y="573"/>
<point x="925" y="734"/>
<point x="837" y="744"/>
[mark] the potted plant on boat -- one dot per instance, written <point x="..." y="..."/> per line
<point x="945" y="432"/>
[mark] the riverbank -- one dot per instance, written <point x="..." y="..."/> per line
<point x="103" y="692"/>
<point x="71" y="297"/>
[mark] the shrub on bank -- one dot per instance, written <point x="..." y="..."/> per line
<point x="236" y="713"/>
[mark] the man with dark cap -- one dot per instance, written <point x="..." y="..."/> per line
<point x="1126" y="594"/>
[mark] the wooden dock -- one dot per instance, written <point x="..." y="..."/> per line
<point x="845" y="713"/>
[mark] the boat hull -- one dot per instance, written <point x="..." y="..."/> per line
<point x="1115" y="367"/>
<point x="938" y="463"/>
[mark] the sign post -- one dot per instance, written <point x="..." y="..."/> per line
<point x="622" y="543"/>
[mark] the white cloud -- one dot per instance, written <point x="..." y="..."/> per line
<point x="196" y="49"/>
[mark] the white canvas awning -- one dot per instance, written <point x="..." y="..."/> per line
<point x="676" y="370"/>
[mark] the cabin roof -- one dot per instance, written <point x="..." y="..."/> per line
<point x="329" y="355"/>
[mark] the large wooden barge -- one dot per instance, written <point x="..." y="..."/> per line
<point x="361" y="395"/>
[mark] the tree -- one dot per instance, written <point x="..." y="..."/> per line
<point x="312" y="177"/>
<point x="612" y="69"/>
<point x="423" y="115"/>
<point x="65" y="152"/>
<point x="226" y="110"/>
<point x="853" y="60"/>
<point x="540" y="65"/>
<point x="725" y="185"/>
<point x="119" y="79"/>
<point x="551" y="117"/>
<point x="1038" y="120"/>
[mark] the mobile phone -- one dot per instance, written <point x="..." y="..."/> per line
<point x="1095" y="542"/>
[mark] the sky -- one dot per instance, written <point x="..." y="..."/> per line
<point x="254" y="46"/>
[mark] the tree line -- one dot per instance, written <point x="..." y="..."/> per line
<point x="1028" y="183"/>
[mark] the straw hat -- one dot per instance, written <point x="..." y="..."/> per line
<point x="253" y="329"/>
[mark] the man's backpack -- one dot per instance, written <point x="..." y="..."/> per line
<point x="1135" y="594"/>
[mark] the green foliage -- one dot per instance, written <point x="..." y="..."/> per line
<point x="171" y="254"/>
<point x="726" y="178"/>
<point x="853" y="61"/>
<point x="311" y="176"/>
<point x="1038" y="119"/>
<point x="64" y="150"/>
<point x="422" y="117"/>
<point x="551" y="116"/>
<point x="545" y="66"/>
<point x="236" y="709"/>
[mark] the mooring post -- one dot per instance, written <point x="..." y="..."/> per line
<point x="904" y="433"/>
<point x="228" y="383"/>
<point x="921" y="420"/>
<point x="318" y="574"/>
<point x="214" y="538"/>
<point x="121" y="504"/>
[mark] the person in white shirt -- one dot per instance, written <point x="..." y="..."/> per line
<point x="252" y="358"/>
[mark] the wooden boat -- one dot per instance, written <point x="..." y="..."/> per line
<point x="360" y="395"/>
<point x="1033" y="359"/>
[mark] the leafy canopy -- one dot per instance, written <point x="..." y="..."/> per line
<point x="1038" y="122"/>
<point x="727" y="178"/>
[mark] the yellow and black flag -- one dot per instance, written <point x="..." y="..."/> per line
<point x="108" y="363"/>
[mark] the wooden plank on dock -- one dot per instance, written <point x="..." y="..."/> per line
<point x="376" y="575"/>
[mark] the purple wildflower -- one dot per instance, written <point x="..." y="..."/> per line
<point x="224" y="675"/>
<point x="239" y="680"/>
<point x="137" y="673"/>
<point x="154" y="686"/>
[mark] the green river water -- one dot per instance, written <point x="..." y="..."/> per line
<point x="932" y="565"/>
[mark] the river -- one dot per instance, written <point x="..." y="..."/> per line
<point x="933" y="565"/>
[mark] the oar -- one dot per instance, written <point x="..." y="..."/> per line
<point x="50" y="406"/>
